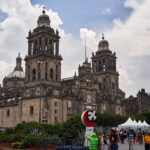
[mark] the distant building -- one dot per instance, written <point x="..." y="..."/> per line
<point x="40" y="94"/>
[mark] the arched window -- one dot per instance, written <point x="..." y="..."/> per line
<point x="56" y="72"/>
<point x="51" y="74"/>
<point x="33" y="75"/>
<point x="46" y="66"/>
<point x="45" y="75"/>
<point x="113" y="86"/>
<point x="28" y="73"/>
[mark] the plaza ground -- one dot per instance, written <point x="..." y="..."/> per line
<point x="126" y="147"/>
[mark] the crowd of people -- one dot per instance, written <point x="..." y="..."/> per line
<point x="110" y="142"/>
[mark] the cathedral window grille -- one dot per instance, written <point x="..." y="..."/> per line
<point x="94" y="66"/>
<point x="56" y="77"/>
<point x="45" y="75"/>
<point x="104" y="87"/>
<point x="56" y="119"/>
<point x="104" y="80"/>
<point x="33" y="75"/>
<point x="99" y="62"/>
<point x="50" y="44"/>
<point x="31" y="110"/>
<point x="100" y="86"/>
<point x="113" y="86"/>
<point x="46" y="66"/>
<point x="56" y="72"/>
<point x="56" y="111"/>
<point x="31" y="48"/>
<point x="28" y="73"/>
<point x="51" y="74"/>
<point x="39" y="75"/>
<point x="28" y="77"/>
<point x="8" y="113"/>
<point x="56" y="104"/>
<point x="40" y="44"/>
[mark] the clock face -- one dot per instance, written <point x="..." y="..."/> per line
<point x="88" y="98"/>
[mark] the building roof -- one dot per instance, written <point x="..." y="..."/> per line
<point x="17" y="74"/>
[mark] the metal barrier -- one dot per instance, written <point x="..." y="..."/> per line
<point x="64" y="144"/>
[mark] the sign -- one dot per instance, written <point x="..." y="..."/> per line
<point x="88" y="133"/>
<point x="89" y="118"/>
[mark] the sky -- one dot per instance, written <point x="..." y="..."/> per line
<point x="125" y="24"/>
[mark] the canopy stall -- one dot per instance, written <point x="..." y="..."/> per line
<point x="133" y="124"/>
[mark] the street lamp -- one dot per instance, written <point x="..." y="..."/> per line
<point x="39" y="63"/>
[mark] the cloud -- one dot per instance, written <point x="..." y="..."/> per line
<point x="106" y="11"/>
<point x="21" y="17"/>
<point x="129" y="39"/>
<point x="5" y="68"/>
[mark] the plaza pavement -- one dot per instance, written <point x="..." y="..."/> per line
<point x="126" y="147"/>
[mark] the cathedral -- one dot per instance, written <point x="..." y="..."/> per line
<point x="40" y="94"/>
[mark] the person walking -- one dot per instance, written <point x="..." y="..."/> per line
<point x="113" y="140"/>
<point x="93" y="141"/>
<point x="147" y="140"/>
<point x="130" y="139"/>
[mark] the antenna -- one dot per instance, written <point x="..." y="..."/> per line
<point x="85" y="45"/>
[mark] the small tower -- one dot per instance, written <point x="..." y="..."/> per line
<point x="104" y="67"/>
<point x="18" y="63"/>
<point x="43" y="62"/>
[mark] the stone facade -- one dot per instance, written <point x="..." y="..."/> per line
<point x="41" y="95"/>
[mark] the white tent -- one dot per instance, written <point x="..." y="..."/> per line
<point x="128" y="123"/>
<point x="145" y="124"/>
<point x="140" y="124"/>
<point x="135" y="124"/>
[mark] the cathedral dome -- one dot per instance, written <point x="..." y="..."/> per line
<point x="17" y="74"/>
<point x="43" y="20"/>
<point x="18" y="70"/>
<point x="103" y="44"/>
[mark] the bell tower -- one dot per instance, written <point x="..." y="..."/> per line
<point x="43" y="61"/>
<point x="104" y="67"/>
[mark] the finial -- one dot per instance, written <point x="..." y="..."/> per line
<point x="103" y="36"/>
<point x="19" y="55"/>
<point x="43" y="10"/>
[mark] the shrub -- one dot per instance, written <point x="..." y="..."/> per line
<point x="18" y="145"/>
<point x="36" y="141"/>
<point x="30" y="128"/>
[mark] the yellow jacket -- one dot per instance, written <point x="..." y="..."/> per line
<point x="146" y="139"/>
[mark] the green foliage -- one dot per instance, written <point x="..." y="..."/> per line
<point x="33" y="141"/>
<point x="72" y="126"/>
<point x="110" y="120"/>
<point x="18" y="145"/>
<point x="9" y="131"/>
<point x="31" y="134"/>
<point x="11" y="138"/>
<point x="30" y="128"/>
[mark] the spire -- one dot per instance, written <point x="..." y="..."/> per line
<point x="18" y="63"/>
<point x="43" y="10"/>
<point x="103" y="36"/>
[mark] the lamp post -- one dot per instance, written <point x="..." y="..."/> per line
<point x="39" y="63"/>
